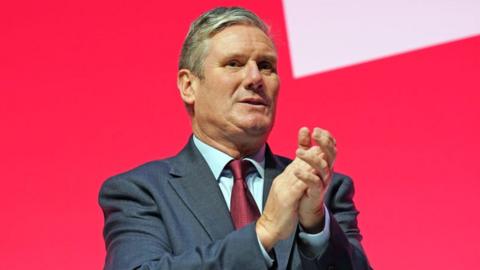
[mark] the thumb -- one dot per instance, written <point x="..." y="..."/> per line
<point x="304" y="140"/>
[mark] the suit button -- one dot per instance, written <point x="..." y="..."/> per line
<point x="331" y="267"/>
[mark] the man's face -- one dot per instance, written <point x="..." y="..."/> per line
<point x="238" y="92"/>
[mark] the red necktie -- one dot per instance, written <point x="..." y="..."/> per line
<point x="243" y="208"/>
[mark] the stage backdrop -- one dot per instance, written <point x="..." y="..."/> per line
<point x="88" y="90"/>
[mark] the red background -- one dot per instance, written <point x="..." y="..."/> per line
<point x="88" y="90"/>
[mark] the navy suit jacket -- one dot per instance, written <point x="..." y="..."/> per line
<point x="171" y="214"/>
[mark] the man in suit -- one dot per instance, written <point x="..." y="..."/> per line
<point x="226" y="201"/>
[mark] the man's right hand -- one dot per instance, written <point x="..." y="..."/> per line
<point x="280" y="215"/>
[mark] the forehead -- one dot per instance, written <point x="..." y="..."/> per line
<point x="241" y="40"/>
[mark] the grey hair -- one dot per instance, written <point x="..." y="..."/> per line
<point x="206" y="26"/>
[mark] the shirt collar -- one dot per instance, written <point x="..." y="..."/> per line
<point x="217" y="160"/>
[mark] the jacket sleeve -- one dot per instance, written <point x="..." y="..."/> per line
<point x="136" y="237"/>
<point x="344" y="249"/>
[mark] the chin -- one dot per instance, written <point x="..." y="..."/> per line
<point x="253" y="124"/>
<point x="258" y="128"/>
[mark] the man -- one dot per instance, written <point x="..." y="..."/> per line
<point x="225" y="201"/>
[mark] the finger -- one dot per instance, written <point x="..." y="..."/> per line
<point x="305" y="173"/>
<point x="308" y="177"/>
<point x="315" y="158"/>
<point x="315" y="192"/>
<point x="327" y="143"/>
<point x="299" y="187"/>
<point x="327" y="175"/>
<point x="330" y="154"/>
<point x="323" y="138"/>
<point x="324" y="134"/>
<point x="304" y="141"/>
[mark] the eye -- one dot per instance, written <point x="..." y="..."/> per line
<point x="234" y="63"/>
<point x="266" y="65"/>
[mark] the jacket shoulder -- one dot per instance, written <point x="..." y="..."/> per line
<point x="151" y="173"/>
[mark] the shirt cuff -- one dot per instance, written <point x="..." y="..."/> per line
<point x="265" y="254"/>
<point x="314" y="245"/>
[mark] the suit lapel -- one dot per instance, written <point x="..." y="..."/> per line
<point x="195" y="184"/>
<point x="273" y="167"/>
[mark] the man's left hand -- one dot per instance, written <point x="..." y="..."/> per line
<point x="320" y="158"/>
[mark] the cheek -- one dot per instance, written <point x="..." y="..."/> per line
<point x="218" y="99"/>
<point x="273" y="86"/>
<point x="225" y="91"/>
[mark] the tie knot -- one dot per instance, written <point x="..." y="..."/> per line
<point x="238" y="167"/>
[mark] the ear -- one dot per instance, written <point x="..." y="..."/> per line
<point x="186" y="83"/>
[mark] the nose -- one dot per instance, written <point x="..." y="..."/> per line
<point x="253" y="77"/>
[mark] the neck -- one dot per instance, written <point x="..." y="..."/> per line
<point x="236" y="146"/>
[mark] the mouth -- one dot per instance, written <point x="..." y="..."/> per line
<point x="254" y="101"/>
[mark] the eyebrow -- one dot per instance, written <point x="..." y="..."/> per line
<point x="269" y="57"/>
